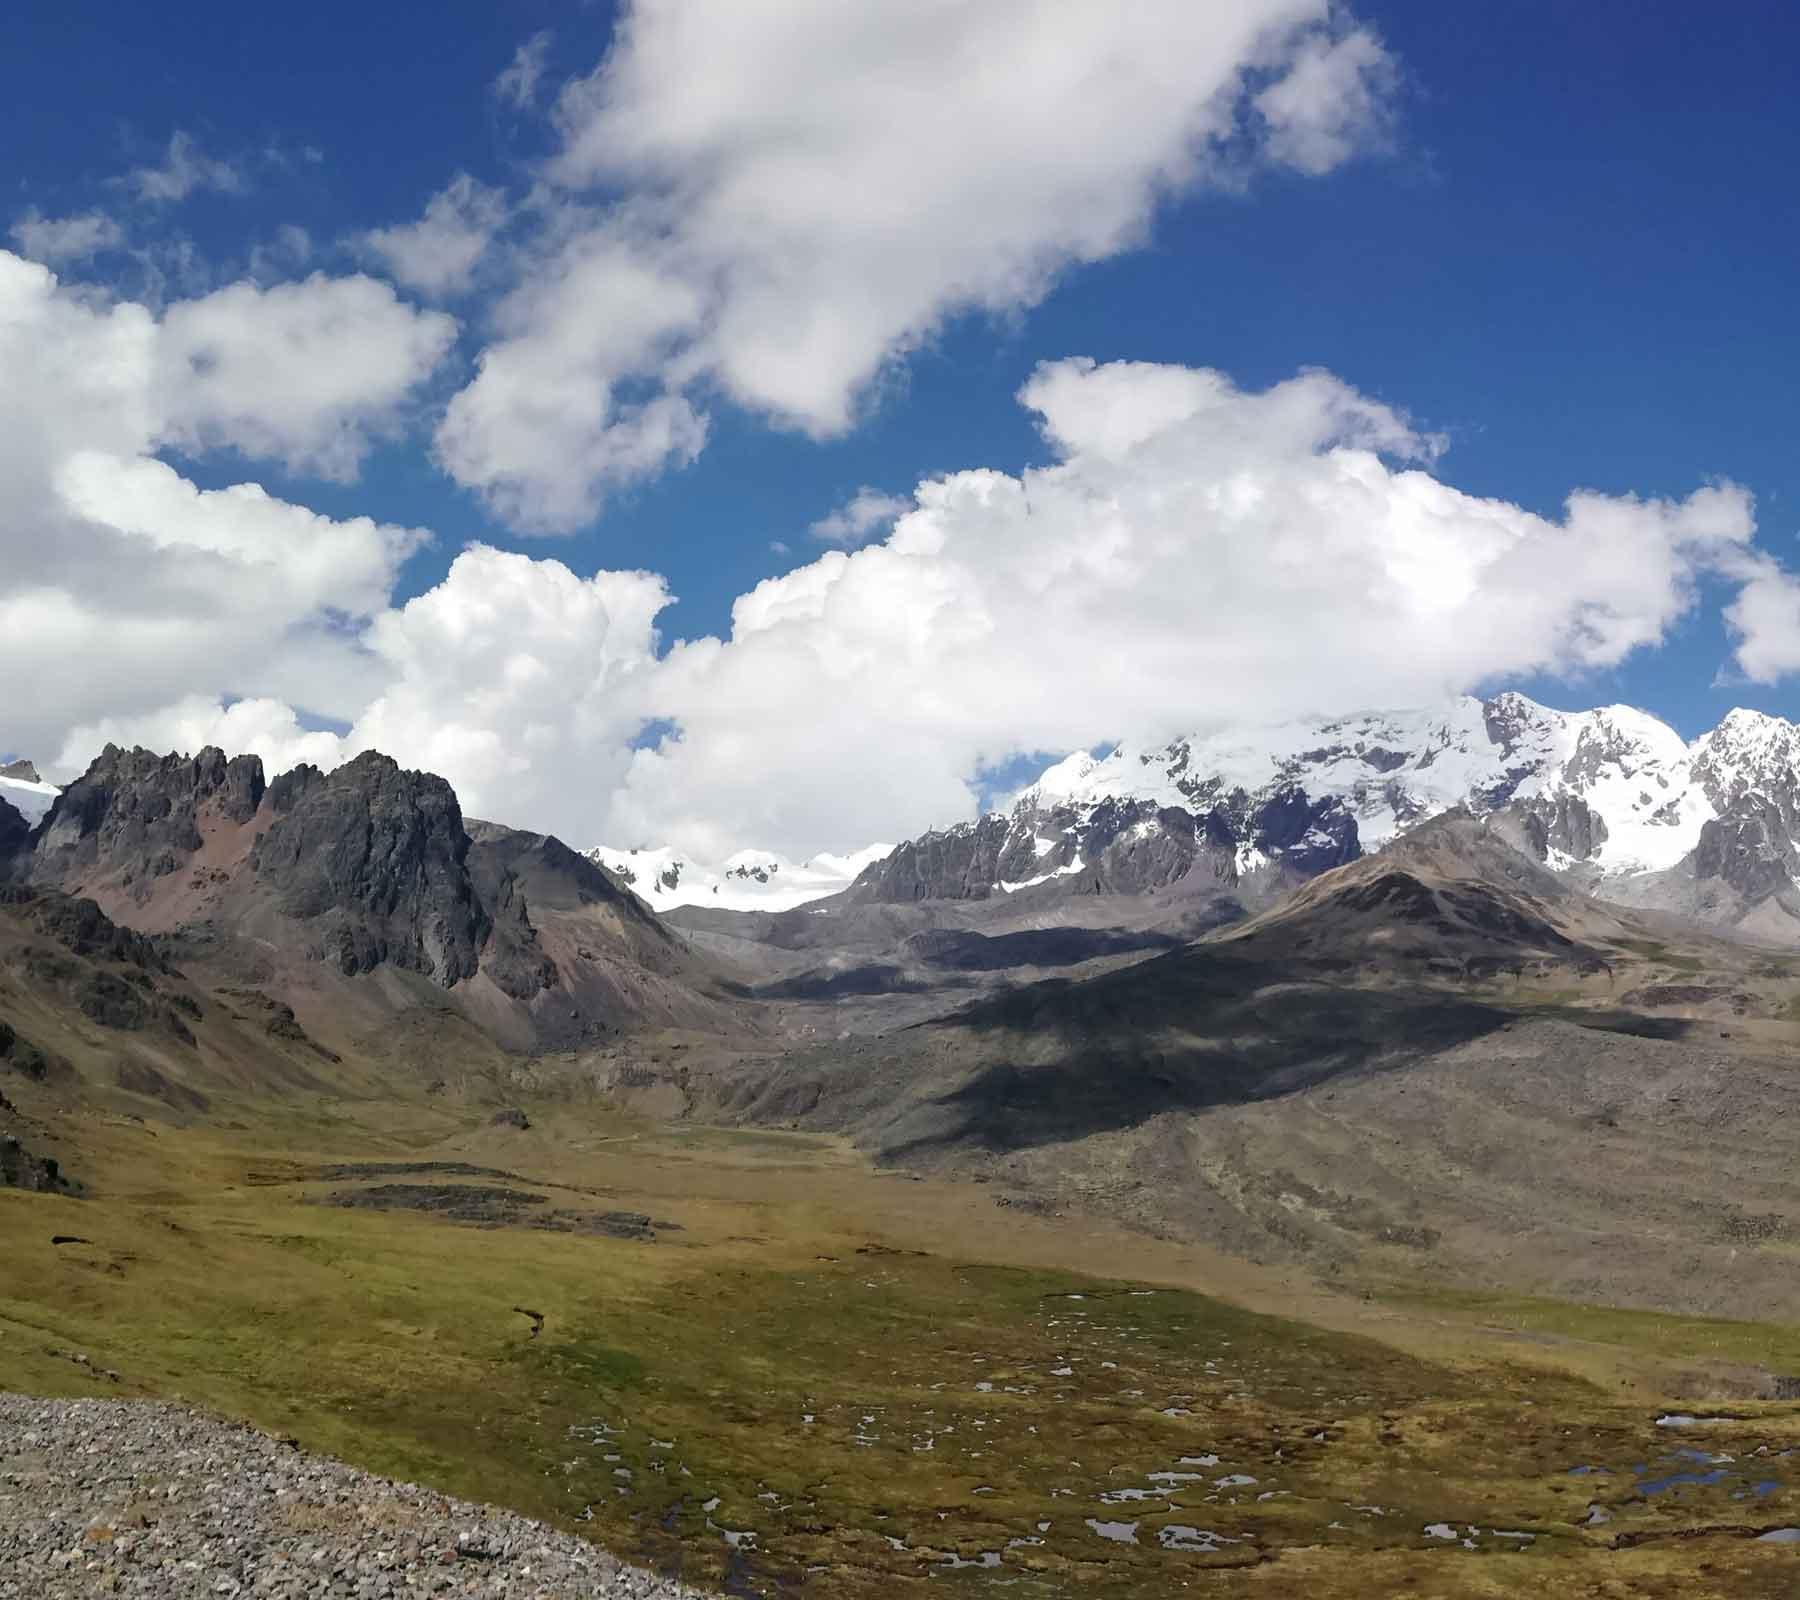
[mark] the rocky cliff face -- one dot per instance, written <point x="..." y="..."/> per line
<point x="363" y="868"/>
<point x="372" y="859"/>
<point x="15" y="833"/>
<point x="1114" y="846"/>
<point x="133" y="817"/>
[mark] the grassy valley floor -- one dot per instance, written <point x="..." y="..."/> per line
<point x="752" y="1360"/>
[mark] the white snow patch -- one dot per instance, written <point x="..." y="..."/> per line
<point x="747" y="880"/>
<point x="31" y="800"/>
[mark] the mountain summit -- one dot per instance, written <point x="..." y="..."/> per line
<point x="1612" y="798"/>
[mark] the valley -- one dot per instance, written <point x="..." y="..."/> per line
<point x="1423" y="1221"/>
<point x="822" y="1374"/>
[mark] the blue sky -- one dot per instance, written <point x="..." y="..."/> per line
<point x="1568" y="254"/>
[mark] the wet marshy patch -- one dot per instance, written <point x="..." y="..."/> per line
<point x="497" y="1206"/>
<point x="915" y="1422"/>
<point x="1731" y="1471"/>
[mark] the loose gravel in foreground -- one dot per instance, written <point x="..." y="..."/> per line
<point x="137" y="1498"/>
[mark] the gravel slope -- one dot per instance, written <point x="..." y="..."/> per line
<point x="136" y="1498"/>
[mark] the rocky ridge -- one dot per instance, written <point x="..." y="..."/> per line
<point x="364" y="870"/>
<point x="375" y="860"/>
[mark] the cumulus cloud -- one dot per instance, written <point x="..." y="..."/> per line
<point x="306" y="373"/>
<point x="319" y="564"/>
<point x="1194" y="554"/>
<point x="184" y="169"/>
<point x="262" y="727"/>
<point x="814" y="188"/>
<point x="1334" y="98"/>
<point x="438" y="254"/>
<point x="519" y="678"/>
<point x="522" y="683"/>
<point x="124" y="588"/>
<point x="551" y="421"/>
<point x="60" y="240"/>
<point x="865" y="514"/>
<point x="517" y="85"/>
<point x="1764" y="621"/>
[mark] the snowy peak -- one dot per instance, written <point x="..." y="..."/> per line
<point x="1612" y="795"/>
<point x="1748" y="753"/>
<point x="21" y="788"/>
<point x="1612" y="792"/>
<point x="1613" y="787"/>
<point x="748" y="880"/>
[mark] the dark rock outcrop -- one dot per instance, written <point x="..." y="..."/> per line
<point x="1115" y="846"/>
<point x="15" y="835"/>
<point x="373" y="859"/>
<point x="518" y="874"/>
<point x="21" y="1055"/>
<point x="1750" y="848"/>
<point x="1562" y="822"/>
<point x="134" y="816"/>
<point x="962" y="863"/>
<point x="23" y="771"/>
<point x="366" y="867"/>
<point x="21" y="1169"/>
<point x="83" y="929"/>
<point x="514" y="957"/>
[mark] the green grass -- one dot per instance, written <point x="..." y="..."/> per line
<point x="1773" y="1346"/>
<point x="867" y="1411"/>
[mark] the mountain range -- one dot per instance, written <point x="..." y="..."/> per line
<point x="1562" y="942"/>
<point x="1612" y="799"/>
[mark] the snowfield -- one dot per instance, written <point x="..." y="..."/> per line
<point x="749" y="880"/>
<point x="32" y="800"/>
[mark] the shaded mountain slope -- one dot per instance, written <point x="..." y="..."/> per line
<point x="97" y="1018"/>
<point x="1422" y="1058"/>
<point x="1450" y="900"/>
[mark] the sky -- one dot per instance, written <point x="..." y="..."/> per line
<point x="770" y="422"/>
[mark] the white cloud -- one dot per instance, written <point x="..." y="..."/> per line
<point x="814" y="188"/>
<point x="184" y="169"/>
<point x="123" y="587"/>
<point x="58" y="240"/>
<point x="865" y="514"/>
<point x="1764" y="621"/>
<point x="548" y="425"/>
<point x="319" y="565"/>
<point x="1195" y="554"/>
<point x="520" y="682"/>
<point x="518" y="84"/>
<point x="438" y="254"/>
<point x="514" y="678"/>
<point x="279" y="256"/>
<point x="1333" y="100"/>
<point x="262" y="727"/>
<point x="305" y="373"/>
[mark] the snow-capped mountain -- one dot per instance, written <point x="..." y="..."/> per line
<point x="1614" y="797"/>
<point x="1389" y="770"/>
<point x="750" y="880"/>
<point x="25" y="792"/>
